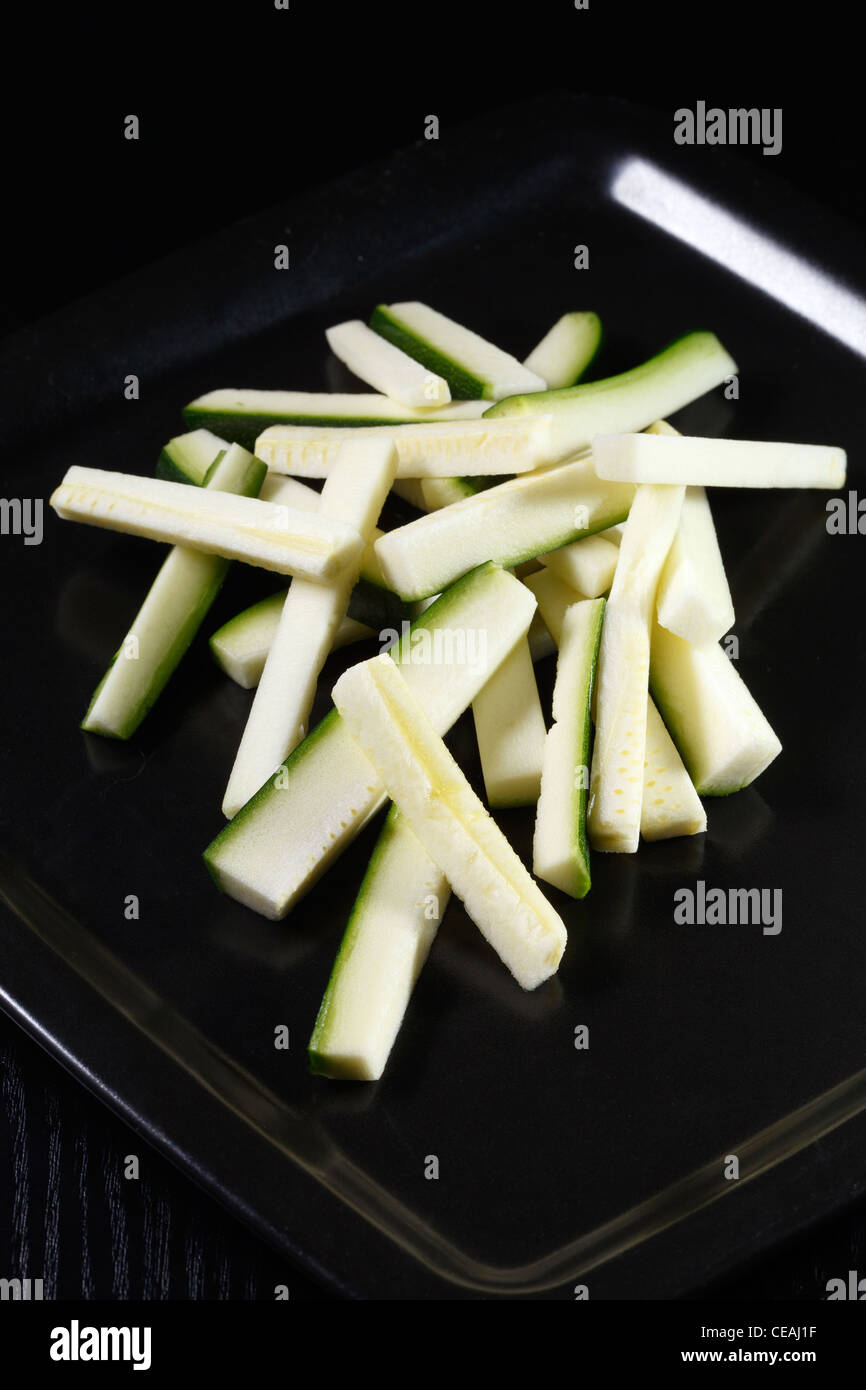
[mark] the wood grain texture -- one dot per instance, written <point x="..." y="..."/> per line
<point x="70" y="1217"/>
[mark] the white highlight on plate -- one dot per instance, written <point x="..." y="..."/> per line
<point x="704" y="225"/>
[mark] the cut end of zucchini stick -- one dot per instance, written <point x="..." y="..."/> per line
<point x="559" y="852"/>
<point x="411" y="490"/>
<point x="237" y="528"/>
<point x="382" y="365"/>
<point x="444" y="492"/>
<point x="566" y="350"/>
<point x="554" y="598"/>
<point x="241" y="651"/>
<point x="438" y="803"/>
<point x="387" y="940"/>
<point x="509" y="727"/>
<point x="671" y="805"/>
<point x="694" y="598"/>
<point x="588" y="565"/>
<point x="176" y="604"/>
<point x="160" y="633"/>
<point x="721" y="733"/>
<point x="435" y="450"/>
<point x="187" y="457"/>
<point x="240" y="647"/>
<point x="664" y="458"/>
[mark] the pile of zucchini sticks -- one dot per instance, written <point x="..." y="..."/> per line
<point x="554" y="515"/>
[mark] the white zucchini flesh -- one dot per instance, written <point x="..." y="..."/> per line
<point x="237" y="528"/>
<point x="432" y="793"/>
<point x="681" y="807"/>
<point x="588" y="565"/>
<point x="566" y="350"/>
<point x="240" y="647"/>
<point x="187" y="457"/>
<point x="564" y="353"/>
<point x="509" y="523"/>
<point x="559" y="849"/>
<point x="291" y="492"/>
<point x="663" y="458"/>
<point x="720" y="732"/>
<point x="471" y="365"/>
<point x="241" y="415"/>
<point x="616" y="775"/>
<point x="439" y="450"/>
<point x="382" y="365"/>
<point x="694" y="598"/>
<point x="175" y="606"/>
<point x="554" y="598"/>
<point x="510" y="729"/>
<point x="297" y="825"/>
<point x="388" y="937"/>
<point x="354" y="494"/>
<point x="444" y="492"/>
<point x="671" y="805"/>
<point x="667" y="382"/>
<point x="647" y="539"/>
<point x="616" y="780"/>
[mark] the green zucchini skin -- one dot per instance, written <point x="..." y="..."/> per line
<point x="244" y="428"/>
<point x="575" y="357"/>
<point x="679" y="672"/>
<point x="426" y="555"/>
<point x="244" y="859"/>
<point x="568" y="747"/>
<point x="185" y="633"/>
<point x="464" y="386"/>
<point x="189" y="458"/>
<point x="629" y="402"/>
<point x="393" y="867"/>
<point x="583" y="879"/>
<point x="204" y="575"/>
<point x="167" y="468"/>
<point x="375" y="606"/>
<point x="595" y="342"/>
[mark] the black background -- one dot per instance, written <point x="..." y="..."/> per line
<point x="242" y="105"/>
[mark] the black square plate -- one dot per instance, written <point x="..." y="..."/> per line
<point x="557" y="1166"/>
